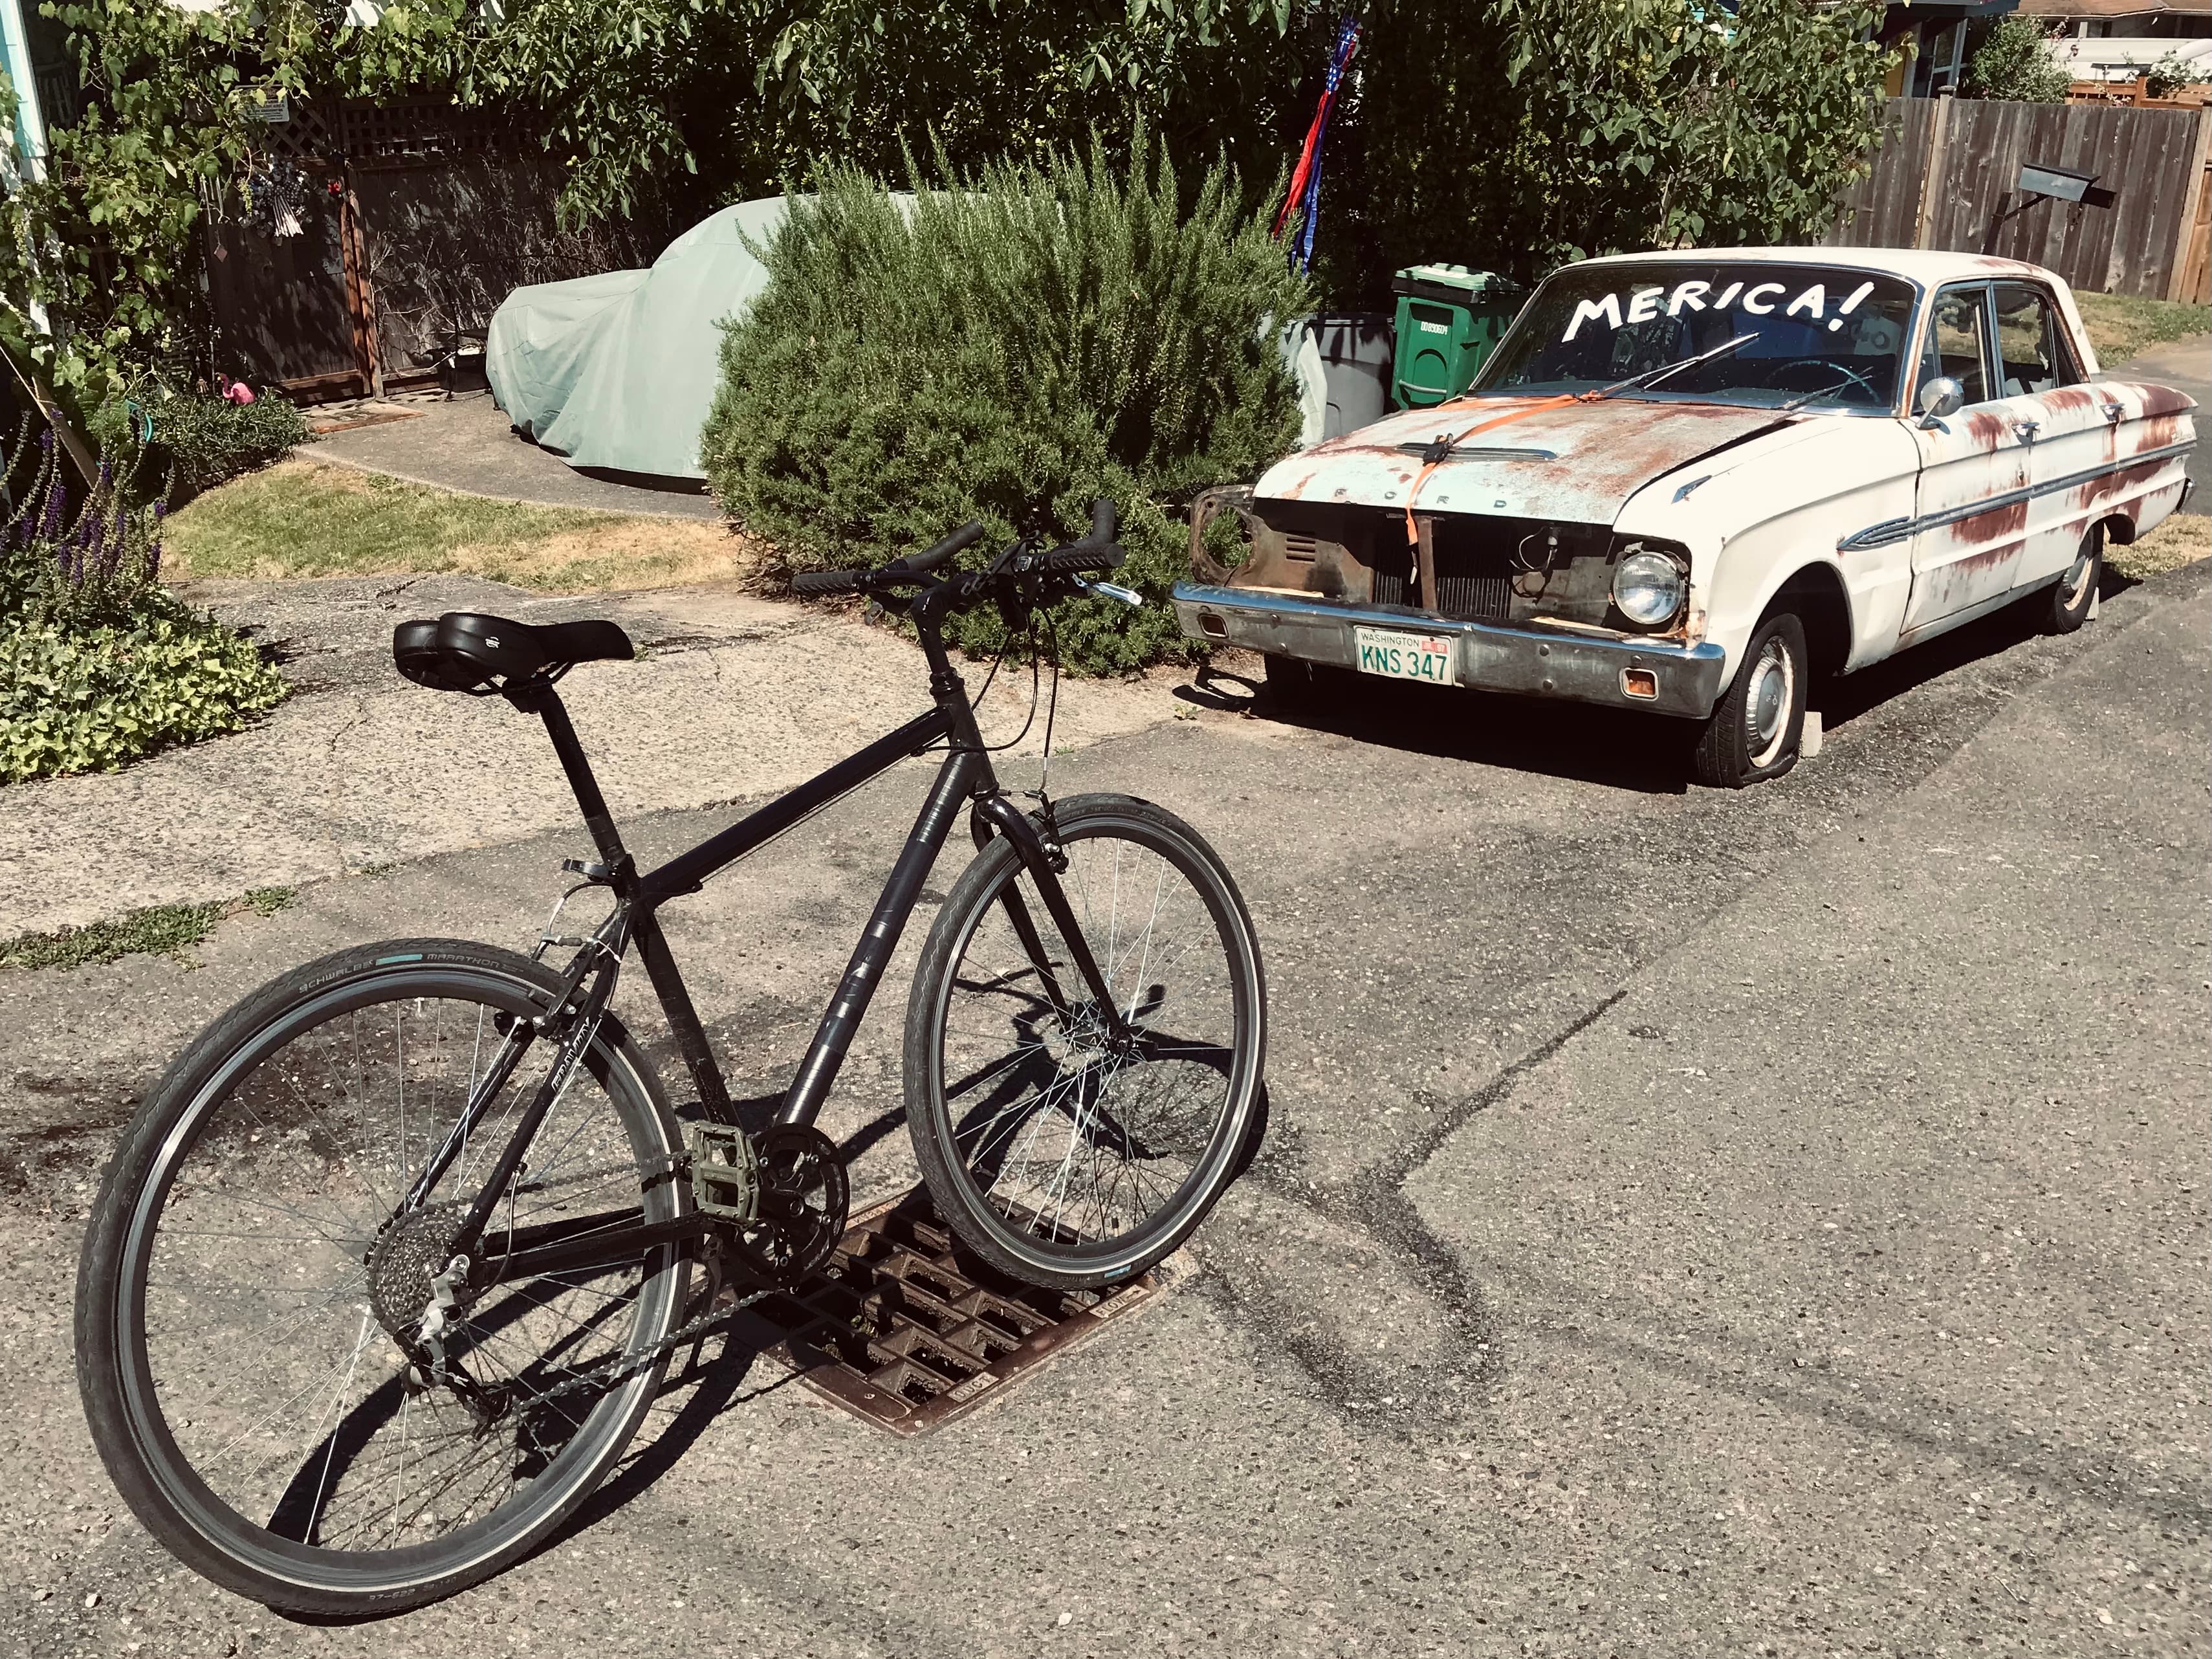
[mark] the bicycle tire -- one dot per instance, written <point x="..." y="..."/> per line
<point x="190" y="1154"/>
<point x="1219" y="1026"/>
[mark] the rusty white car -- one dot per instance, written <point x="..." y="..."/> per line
<point x="1692" y="483"/>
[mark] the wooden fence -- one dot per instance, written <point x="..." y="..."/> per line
<point x="417" y="220"/>
<point x="1947" y="172"/>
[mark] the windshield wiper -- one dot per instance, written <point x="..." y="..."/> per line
<point x="1651" y="376"/>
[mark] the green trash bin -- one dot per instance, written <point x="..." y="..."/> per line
<point x="1450" y="318"/>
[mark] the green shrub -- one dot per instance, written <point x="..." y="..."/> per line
<point x="1008" y="350"/>
<point x="2015" y="62"/>
<point x="99" y="662"/>
<point x="89" y="699"/>
<point x="194" y="441"/>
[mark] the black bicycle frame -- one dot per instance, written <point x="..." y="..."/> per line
<point x="966" y="776"/>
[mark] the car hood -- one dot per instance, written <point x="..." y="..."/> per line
<point x="1577" y="462"/>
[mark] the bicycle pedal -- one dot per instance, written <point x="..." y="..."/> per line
<point x="724" y="1175"/>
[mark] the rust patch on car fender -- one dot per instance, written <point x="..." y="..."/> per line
<point x="2156" y="432"/>
<point x="2110" y="485"/>
<point x="2162" y="400"/>
<point x="2067" y="398"/>
<point x="1985" y="429"/>
<point x="2003" y="525"/>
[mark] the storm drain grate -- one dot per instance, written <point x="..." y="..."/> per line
<point x="908" y="1328"/>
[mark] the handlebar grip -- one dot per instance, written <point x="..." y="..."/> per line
<point x="829" y="582"/>
<point x="930" y="557"/>
<point x="1075" y="560"/>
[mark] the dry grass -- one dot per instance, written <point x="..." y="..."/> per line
<point x="310" y="517"/>
<point x="2122" y="325"/>
<point x="2182" y="539"/>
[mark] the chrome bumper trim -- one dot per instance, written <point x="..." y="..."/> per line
<point x="1580" y="668"/>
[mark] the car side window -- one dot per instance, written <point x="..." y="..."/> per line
<point x="1958" y="341"/>
<point x="2030" y="342"/>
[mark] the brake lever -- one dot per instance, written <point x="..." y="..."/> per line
<point x="1127" y="596"/>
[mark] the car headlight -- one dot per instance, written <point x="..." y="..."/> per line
<point x="1648" y="588"/>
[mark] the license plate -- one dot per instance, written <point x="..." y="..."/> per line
<point x="1404" y="656"/>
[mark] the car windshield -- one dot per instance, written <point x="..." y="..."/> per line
<point x="1823" y="335"/>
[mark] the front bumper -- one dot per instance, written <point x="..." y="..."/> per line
<point x="1538" y="662"/>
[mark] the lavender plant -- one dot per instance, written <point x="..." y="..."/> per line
<point x="80" y="556"/>
<point x="100" y="661"/>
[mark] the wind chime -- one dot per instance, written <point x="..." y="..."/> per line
<point x="1302" y="205"/>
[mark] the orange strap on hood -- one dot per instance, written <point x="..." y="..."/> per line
<point x="1413" y="535"/>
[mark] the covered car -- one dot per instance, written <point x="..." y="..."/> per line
<point x="1690" y="483"/>
<point x="619" y="370"/>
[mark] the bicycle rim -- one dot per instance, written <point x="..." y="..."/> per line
<point x="261" y="1285"/>
<point x="1077" y="1159"/>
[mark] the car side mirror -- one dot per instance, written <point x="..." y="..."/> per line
<point x="1940" y="397"/>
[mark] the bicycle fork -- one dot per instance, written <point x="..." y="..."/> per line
<point x="992" y="814"/>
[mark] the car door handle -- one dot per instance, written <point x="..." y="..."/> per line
<point x="2114" y="413"/>
<point x="2026" y="430"/>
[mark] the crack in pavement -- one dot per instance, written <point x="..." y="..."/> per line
<point x="1371" y="1203"/>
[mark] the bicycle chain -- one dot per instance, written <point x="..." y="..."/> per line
<point x="677" y="1163"/>
<point x="652" y="1356"/>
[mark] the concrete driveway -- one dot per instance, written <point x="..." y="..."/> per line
<point x="1692" y="1222"/>
<point x="2186" y="366"/>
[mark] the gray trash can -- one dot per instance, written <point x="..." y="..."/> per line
<point x="1358" y="353"/>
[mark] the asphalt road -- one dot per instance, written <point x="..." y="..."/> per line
<point x="1692" y="1222"/>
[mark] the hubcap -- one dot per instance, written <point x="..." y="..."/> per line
<point x="2076" y="579"/>
<point x="1766" y="707"/>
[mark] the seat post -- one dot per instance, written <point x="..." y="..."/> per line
<point x="544" y="701"/>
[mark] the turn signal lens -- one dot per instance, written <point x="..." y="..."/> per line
<point x="1648" y="588"/>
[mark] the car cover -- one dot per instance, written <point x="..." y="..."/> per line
<point x="618" y="370"/>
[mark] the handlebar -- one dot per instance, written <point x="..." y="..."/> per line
<point x="1096" y="551"/>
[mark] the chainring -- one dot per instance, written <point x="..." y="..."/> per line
<point x="803" y="1199"/>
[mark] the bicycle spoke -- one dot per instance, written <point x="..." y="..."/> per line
<point x="1108" y="1138"/>
<point x="297" y="1403"/>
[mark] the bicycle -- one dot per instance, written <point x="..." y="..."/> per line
<point x="388" y="1266"/>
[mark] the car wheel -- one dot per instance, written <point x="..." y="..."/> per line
<point x="2064" y="605"/>
<point x="1295" y="686"/>
<point x="1753" y="732"/>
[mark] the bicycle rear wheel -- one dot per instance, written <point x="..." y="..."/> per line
<point x="246" y="1285"/>
<point x="1058" y="1157"/>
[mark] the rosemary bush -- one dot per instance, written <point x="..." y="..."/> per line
<point x="1008" y="350"/>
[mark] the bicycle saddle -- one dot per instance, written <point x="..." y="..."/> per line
<point x="467" y="651"/>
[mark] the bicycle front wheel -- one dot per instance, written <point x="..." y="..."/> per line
<point x="250" y="1299"/>
<point x="1063" y="1156"/>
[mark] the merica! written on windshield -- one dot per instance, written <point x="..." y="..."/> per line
<point x="1824" y="334"/>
